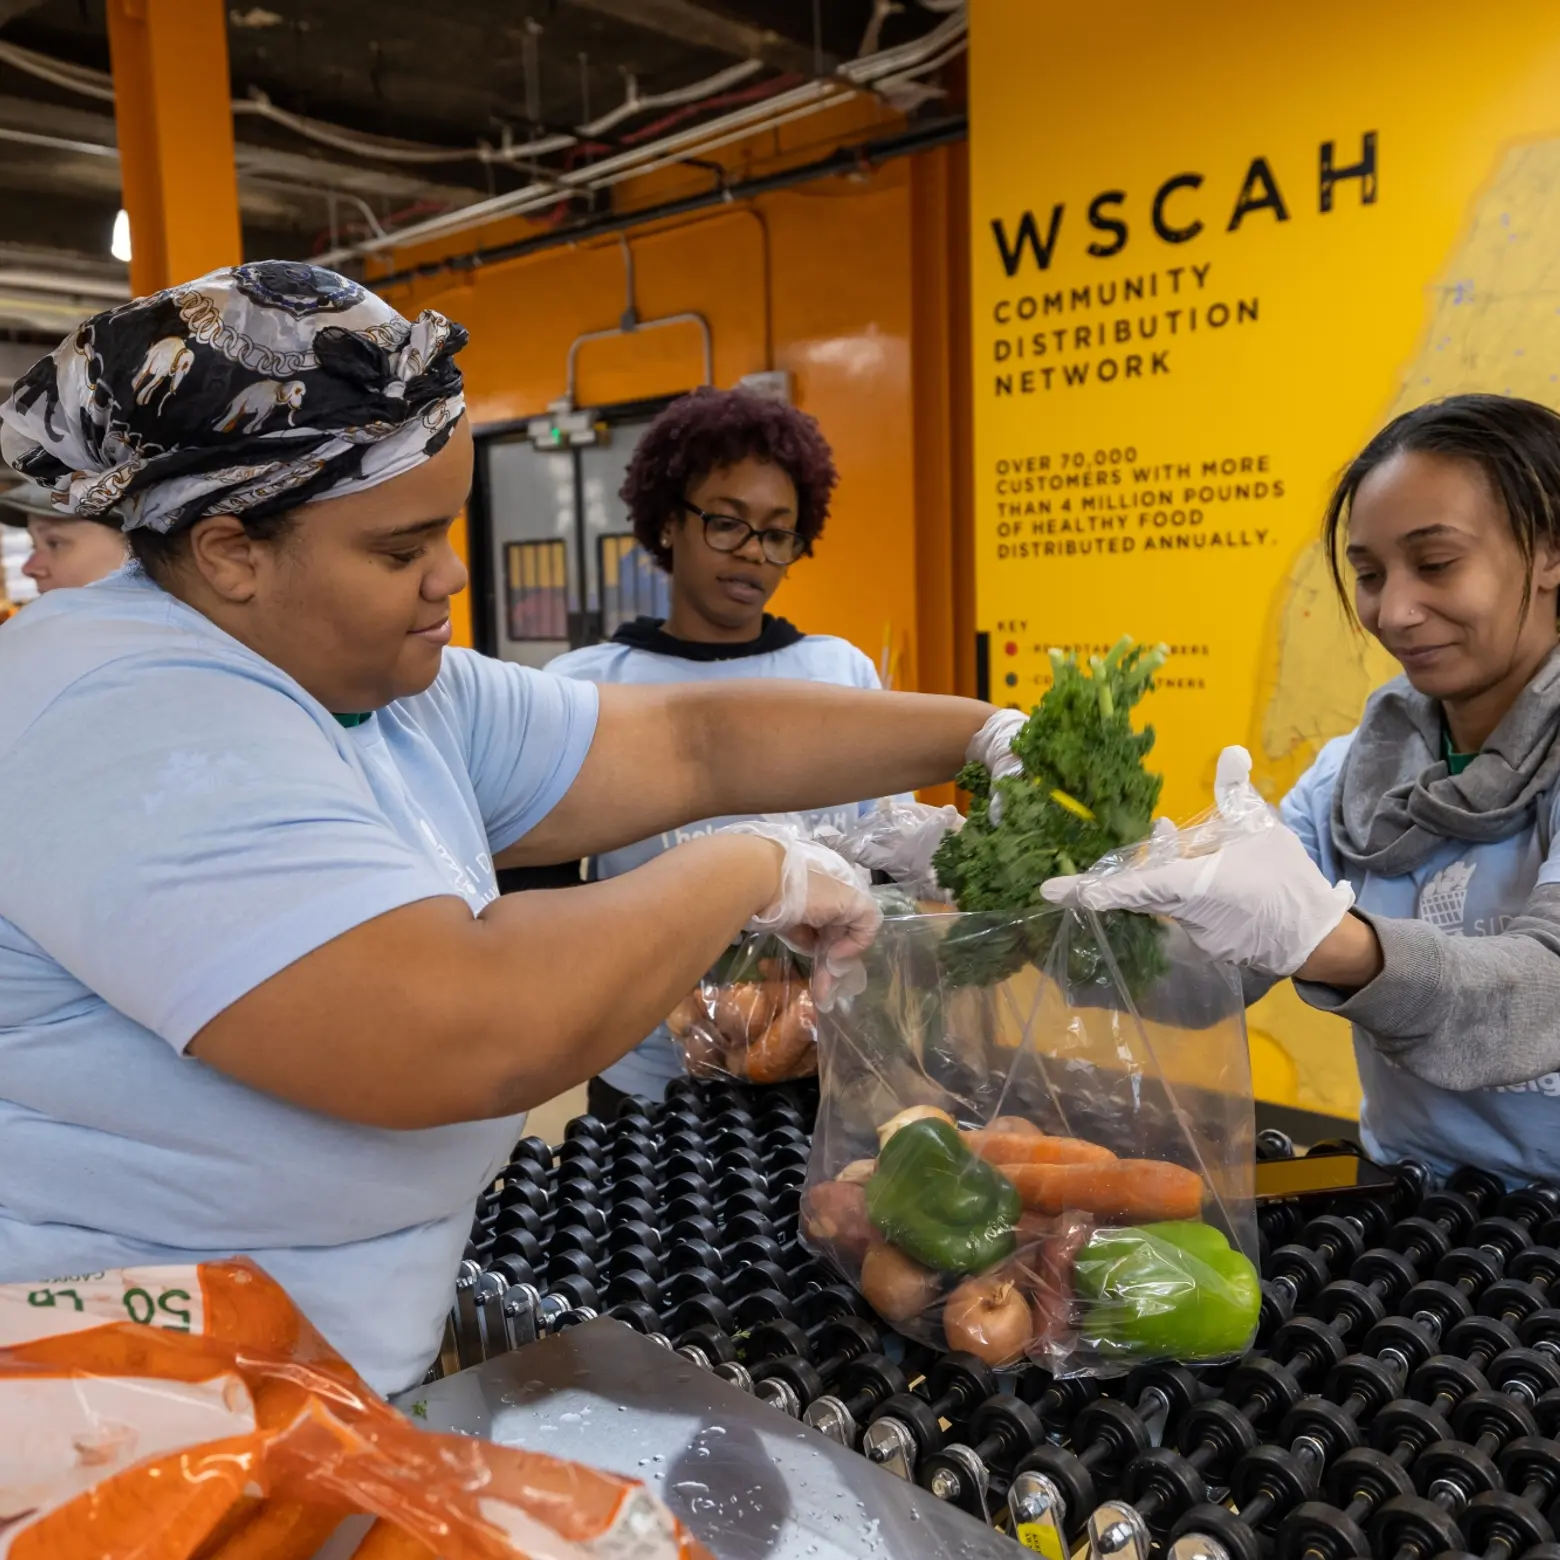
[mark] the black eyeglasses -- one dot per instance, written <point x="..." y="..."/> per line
<point x="727" y="534"/>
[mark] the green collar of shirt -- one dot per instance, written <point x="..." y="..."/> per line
<point x="1455" y="762"/>
<point x="349" y="721"/>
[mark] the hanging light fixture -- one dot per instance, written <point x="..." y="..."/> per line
<point x="119" y="244"/>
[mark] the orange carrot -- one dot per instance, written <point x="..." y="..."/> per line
<point x="742" y="1012"/>
<point x="239" y="1514"/>
<point x="245" y="1305"/>
<point x="155" y="1508"/>
<point x="280" y="1530"/>
<point x="1026" y="1148"/>
<point x="386" y="1541"/>
<point x="780" y="1051"/>
<point x="1134" y="1190"/>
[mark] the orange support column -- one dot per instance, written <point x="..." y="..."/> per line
<point x="940" y="387"/>
<point x="940" y="383"/>
<point x="175" y="118"/>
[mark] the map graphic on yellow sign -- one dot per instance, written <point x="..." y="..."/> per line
<point x="1213" y="250"/>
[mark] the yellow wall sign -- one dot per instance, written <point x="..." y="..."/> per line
<point x="1214" y="249"/>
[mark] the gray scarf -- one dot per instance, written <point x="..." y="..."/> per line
<point x="1397" y="801"/>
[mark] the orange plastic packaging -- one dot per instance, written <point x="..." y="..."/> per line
<point x="192" y="1413"/>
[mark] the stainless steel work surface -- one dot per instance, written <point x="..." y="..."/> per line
<point x="747" y="1481"/>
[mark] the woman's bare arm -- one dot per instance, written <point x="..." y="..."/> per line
<point x="665" y="756"/>
<point x="427" y="1016"/>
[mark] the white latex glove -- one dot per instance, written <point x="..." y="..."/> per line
<point x="992" y="746"/>
<point x="823" y="909"/>
<point x="898" y="838"/>
<point x="1240" y="884"/>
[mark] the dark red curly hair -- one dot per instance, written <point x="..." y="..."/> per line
<point x="701" y="432"/>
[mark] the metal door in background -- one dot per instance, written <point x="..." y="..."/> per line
<point x="555" y="564"/>
<point x="528" y="499"/>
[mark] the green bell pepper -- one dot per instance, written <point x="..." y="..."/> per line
<point x="941" y="1204"/>
<point x="1170" y="1291"/>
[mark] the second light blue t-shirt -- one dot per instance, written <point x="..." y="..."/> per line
<point x="183" y="821"/>
<point x="656" y="1062"/>
<point x="1467" y="890"/>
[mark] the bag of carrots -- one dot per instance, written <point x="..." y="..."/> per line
<point x="191" y="1413"/>
<point x="1022" y="1155"/>
<point x="752" y="1018"/>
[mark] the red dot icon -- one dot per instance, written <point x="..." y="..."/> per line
<point x="1010" y="648"/>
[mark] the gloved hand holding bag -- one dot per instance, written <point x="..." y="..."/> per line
<point x="1240" y="883"/>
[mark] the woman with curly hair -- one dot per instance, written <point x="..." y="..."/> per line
<point x="726" y="491"/>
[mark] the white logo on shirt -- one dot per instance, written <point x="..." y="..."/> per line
<point x="470" y="890"/>
<point x="1444" y="897"/>
<point x="840" y="819"/>
<point x="1442" y="902"/>
<point x="1549" y="1084"/>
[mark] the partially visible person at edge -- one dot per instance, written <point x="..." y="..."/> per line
<point x="65" y="552"/>
<point x="1414" y="886"/>
<point x="259" y="993"/>
<point x="726" y="491"/>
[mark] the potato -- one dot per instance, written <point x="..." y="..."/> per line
<point x="896" y="1288"/>
<point x="834" y="1214"/>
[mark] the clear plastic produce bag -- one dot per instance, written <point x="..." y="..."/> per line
<point x="191" y="1413"/>
<point x="898" y="838"/>
<point x="752" y="1017"/>
<point x="1036" y="1141"/>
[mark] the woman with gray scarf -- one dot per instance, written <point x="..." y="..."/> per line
<point x="1416" y="888"/>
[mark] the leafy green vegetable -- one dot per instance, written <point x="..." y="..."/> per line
<point x="1084" y="792"/>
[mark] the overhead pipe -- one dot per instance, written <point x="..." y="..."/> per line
<point x="63" y="284"/>
<point x="246" y="175"/>
<point x="614" y="331"/>
<point x="799" y="102"/>
<point x="846" y="159"/>
<point x="99" y="85"/>
<point x="59" y="143"/>
<point x="752" y="119"/>
<point x="755" y="215"/>
<point x="631" y="324"/>
<point x="862" y="74"/>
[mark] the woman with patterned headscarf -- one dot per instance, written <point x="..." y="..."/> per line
<point x="258" y="992"/>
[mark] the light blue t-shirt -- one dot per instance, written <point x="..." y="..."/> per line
<point x="656" y="1062"/>
<point x="1467" y="890"/>
<point x="183" y="821"/>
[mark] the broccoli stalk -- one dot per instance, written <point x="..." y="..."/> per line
<point x="1083" y="792"/>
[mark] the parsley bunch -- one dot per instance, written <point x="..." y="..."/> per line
<point x="1084" y="792"/>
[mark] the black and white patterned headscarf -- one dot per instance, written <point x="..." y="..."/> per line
<point x="248" y="392"/>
